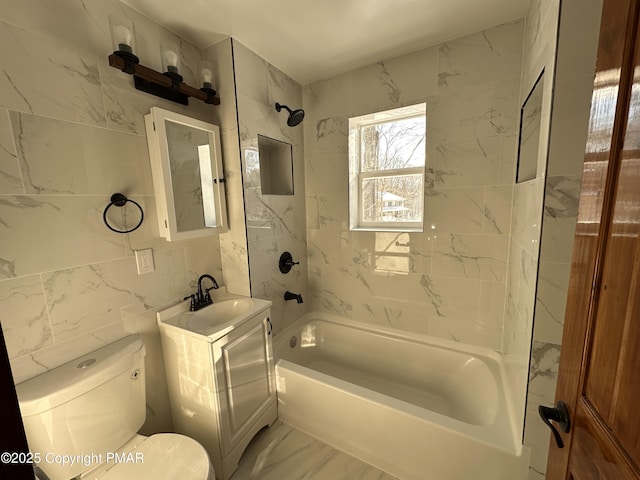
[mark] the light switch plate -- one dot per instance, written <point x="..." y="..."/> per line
<point x="144" y="261"/>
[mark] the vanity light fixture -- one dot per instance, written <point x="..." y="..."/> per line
<point x="167" y="85"/>
<point x="122" y="36"/>
<point x="171" y="61"/>
<point x="206" y="78"/>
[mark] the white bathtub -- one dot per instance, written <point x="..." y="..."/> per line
<point x="414" y="406"/>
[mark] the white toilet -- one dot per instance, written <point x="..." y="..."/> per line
<point x="81" y="419"/>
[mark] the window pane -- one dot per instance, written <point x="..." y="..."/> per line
<point x="386" y="169"/>
<point x="392" y="145"/>
<point x="392" y="199"/>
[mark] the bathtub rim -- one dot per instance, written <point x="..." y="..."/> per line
<point x="494" y="360"/>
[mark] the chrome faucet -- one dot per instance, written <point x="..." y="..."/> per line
<point x="202" y="298"/>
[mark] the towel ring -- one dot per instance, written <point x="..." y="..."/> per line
<point x="119" y="200"/>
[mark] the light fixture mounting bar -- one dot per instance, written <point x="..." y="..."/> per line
<point x="156" y="83"/>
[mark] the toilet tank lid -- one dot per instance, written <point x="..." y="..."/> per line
<point x="66" y="382"/>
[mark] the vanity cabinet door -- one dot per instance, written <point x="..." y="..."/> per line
<point x="245" y="377"/>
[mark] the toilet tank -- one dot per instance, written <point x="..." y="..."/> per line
<point x="91" y="405"/>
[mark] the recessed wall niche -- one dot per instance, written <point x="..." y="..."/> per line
<point x="529" y="141"/>
<point x="276" y="166"/>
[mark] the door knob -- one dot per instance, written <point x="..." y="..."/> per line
<point x="560" y="415"/>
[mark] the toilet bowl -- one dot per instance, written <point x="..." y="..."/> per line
<point x="82" y="418"/>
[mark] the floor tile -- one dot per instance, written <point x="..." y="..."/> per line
<point x="282" y="452"/>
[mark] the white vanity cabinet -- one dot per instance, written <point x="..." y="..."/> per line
<point x="244" y="369"/>
<point x="221" y="385"/>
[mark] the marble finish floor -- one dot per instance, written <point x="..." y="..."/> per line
<point x="282" y="452"/>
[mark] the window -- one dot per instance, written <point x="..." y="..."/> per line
<point x="386" y="169"/>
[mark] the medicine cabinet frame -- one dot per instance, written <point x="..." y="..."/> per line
<point x="207" y="168"/>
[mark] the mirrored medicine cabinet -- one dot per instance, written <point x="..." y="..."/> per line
<point x="186" y="165"/>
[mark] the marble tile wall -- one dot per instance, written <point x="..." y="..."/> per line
<point x="72" y="134"/>
<point x="233" y="243"/>
<point x="577" y="44"/>
<point x="527" y="217"/>
<point x="450" y="280"/>
<point x="275" y="223"/>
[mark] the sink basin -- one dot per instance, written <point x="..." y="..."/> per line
<point x="226" y="312"/>
<point x="218" y="313"/>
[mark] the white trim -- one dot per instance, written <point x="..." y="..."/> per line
<point x="396" y="172"/>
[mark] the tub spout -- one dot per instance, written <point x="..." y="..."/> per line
<point x="293" y="296"/>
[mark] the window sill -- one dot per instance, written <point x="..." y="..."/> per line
<point x="388" y="229"/>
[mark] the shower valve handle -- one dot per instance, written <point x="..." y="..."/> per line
<point x="560" y="415"/>
<point x="286" y="262"/>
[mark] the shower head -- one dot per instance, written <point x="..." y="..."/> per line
<point x="295" y="116"/>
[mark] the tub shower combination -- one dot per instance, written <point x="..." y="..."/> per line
<point x="414" y="406"/>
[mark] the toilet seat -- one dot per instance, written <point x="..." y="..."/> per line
<point x="164" y="456"/>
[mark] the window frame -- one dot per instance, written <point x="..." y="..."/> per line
<point x="357" y="177"/>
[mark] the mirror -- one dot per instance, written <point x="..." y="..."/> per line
<point x="529" y="141"/>
<point x="186" y="165"/>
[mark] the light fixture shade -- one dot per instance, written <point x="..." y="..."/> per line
<point x="170" y="57"/>
<point x="123" y="36"/>
<point x="207" y="77"/>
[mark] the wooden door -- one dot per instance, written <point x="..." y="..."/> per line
<point x="599" y="376"/>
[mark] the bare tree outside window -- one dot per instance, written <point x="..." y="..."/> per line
<point x="387" y="152"/>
